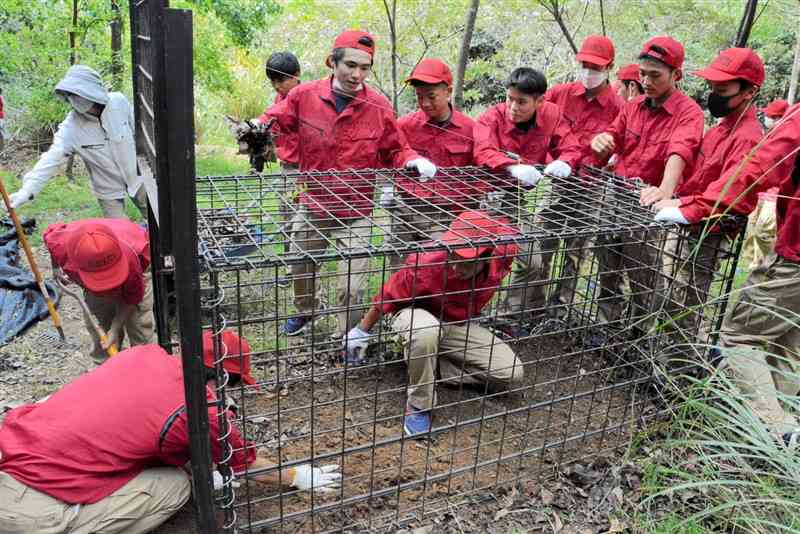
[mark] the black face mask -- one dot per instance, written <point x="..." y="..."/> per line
<point x="718" y="105"/>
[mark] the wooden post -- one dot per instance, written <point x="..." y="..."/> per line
<point x="116" y="46"/>
<point x="792" y="98"/>
<point x="463" y="54"/>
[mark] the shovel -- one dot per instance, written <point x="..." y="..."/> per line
<point x="112" y="349"/>
<point x="32" y="262"/>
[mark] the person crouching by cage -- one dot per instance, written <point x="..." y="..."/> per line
<point x="108" y="452"/>
<point x="110" y="260"/>
<point x="444" y="135"/>
<point x="432" y="302"/>
<point x="343" y="125"/>
<point x="760" y="336"/>
<point x="692" y="258"/>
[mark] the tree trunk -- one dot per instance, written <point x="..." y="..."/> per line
<point x="602" y="17"/>
<point x="72" y="58"/>
<point x="463" y="54"/>
<point x="557" y="12"/>
<point x="792" y="98"/>
<point x="391" y="15"/>
<point x="116" y="46"/>
<point x="746" y="24"/>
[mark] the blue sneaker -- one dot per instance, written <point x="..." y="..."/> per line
<point x="294" y="326"/>
<point x="417" y="422"/>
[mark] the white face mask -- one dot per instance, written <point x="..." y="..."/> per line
<point x="591" y="78"/>
<point x="80" y="104"/>
<point x="769" y="122"/>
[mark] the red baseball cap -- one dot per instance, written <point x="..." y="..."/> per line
<point x="352" y="39"/>
<point x="431" y="71"/>
<point x="734" y="64"/>
<point x="473" y="225"/>
<point x="235" y="354"/>
<point x="776" y="109"/>
<point x="102" y="265"/>
<point x="665" y="49"/>
<point x="596" y="49"/>
<point x="629" y="73"/>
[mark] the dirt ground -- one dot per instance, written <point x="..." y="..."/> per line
<point x="522" y="441"/>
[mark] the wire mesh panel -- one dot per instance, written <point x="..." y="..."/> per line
<point x="525" y="326"/>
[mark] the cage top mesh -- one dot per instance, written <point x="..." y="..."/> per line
<point x="246" y="221"/>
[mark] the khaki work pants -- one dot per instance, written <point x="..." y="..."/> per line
<point x="531" y="276"/>
<point x="416" y="222"/>
<point x="689" y="267"/>
<point x="287" y="197"/>
<point x="760" y="235"/>
<point x="140" y="326"/>
<point x="761" y="340"/>
<point x="115" y="208"/>
<point x="463" y="353"/>
<point x="141" y="505"/>
<point x="310" y="234"/>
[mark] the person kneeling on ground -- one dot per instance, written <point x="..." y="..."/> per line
<point x="105" y="453"/>
<point x="110" y="260"/>
<point x="432" y="301"/>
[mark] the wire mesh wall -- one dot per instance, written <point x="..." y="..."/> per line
<point x="529" y="324"/>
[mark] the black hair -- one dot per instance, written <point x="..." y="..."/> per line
<point x="233" y="378"/>
<point x="338" y="53"/>
<point x="529" y="81"/>
<point x="638" y="85"/>
<point x="656" y="48"/>
<point x="282" y="65"/>
<point x="420" y="83"/>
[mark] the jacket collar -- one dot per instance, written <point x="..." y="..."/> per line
<point x="670" y="105"/>
<point x="603" y="97"/>
<point x="326" y="94"/>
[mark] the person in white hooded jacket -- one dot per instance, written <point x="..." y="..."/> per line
<point x="99" y="129"/>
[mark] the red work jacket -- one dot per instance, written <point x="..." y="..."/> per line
<point x="98" y="432"/>
<point x="448" y="145"/>
<point x="286" y="143"/>
<point x="364" y="135"/>
<point x="722" y="150"/>
<point x="646" y="137"/>
<point x="133" y="240"/>
<point x="428" y="282"/>
<point x="549" y="137"/>
<point x="775" y="162"/>
<point x="586" y="118"/>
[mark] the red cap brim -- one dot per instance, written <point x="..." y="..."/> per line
<point x="426" y="79"/>
<point x="597" y="60"/>
<point x="714" y="75"/>
<point x="102" y="281"/>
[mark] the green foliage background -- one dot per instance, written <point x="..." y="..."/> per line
<point x="234" y="37"/>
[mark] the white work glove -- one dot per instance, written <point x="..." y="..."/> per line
<point x="21" y="197"/>
<point x="528" y="175"/>
<point x="612" y="161"/>
<point x="356" y="343"/>
<point x="216" y="477"/>
<point x="322" y="479"/>
<point x="671" y="214"/>
<point x="387" y="196"/>
<point x="424" y="167"/>
<point x="559" y="169"/>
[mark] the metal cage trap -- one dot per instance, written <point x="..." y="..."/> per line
<point x="556" y="365"/>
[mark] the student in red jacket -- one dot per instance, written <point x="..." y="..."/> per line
<point x="524" y="131"/>
<point x="442" y="134"/>
<point x="342" y="124"/>
<point x="655" y="139"/>
<point x="432" y="301"/>
<point x="734" y="77"/>
<point x="760" y="335"/>
<point x="106" y="452"/>
<point x="630" y="85"/>
<point x="110" y="260"/>
<point x="588" y="107"/>
<point x="774" y="112"/>
<point x="283" y="72"/>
